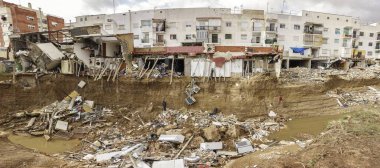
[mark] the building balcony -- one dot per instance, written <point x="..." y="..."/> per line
<point x="159" y="43"/>
<point x="314" y="40"/>
<point x="270" y="41"/>
<point x="255" y="41"/>
<point x="209" y="28"/>
<point x="270" y="29"/>
<point x="145" y="40"/>
<point x="256" y="29"/>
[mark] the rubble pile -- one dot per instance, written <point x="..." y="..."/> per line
<point x="186" y="138"/>
<point x="64" y="119"/>
<point x="368" y="96"/>
<point x="305" y="75"/>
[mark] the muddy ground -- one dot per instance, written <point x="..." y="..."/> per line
<point x="244" y="98"/>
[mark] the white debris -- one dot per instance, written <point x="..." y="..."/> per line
<point x="244" y="146"/>
<point x="272" y="114"/>
<point x="212" y="146"/>
<point x="179" y="163"/>
<point x="172" y="138"/>
<point x="81" y="84"/>
<point x="88" y="157"/>
<point x="62" y="125"/>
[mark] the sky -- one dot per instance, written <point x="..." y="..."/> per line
<point x="366" y="10"/>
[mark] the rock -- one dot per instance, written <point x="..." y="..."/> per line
<point x="97" y="144"/>
<point x="196" y="142"/>
<point x="211" y="134"/>
<point x="233" y="131"/>
<point x="160" y="131"/>
<point x="169" y="127"/>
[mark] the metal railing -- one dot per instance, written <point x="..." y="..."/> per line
<point x="209" y="28"/>
<point x="313" y="40"/>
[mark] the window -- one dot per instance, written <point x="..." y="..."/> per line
<point x="136" y="37"/>
<point x="107" y="27"/>
<point x="328" y="18"/>
<point x="31" y="27"/>
<point x="325" y="40"/>
<point x="81" y="19"/>
<point x="337" y="31"/>
<point x="337" y="18"/>
<point x="31" y="18"/>
<point x="369" y="53"/>
<point x="318" y="17"/>
<point x="228" y="36"/>
<point x="188" y="25"/>
<point x="173" y="37"/>
<point x="360" y="43"/>
<point x="297" y="27"/>
<point x="282" y="26"/>
<point x="336" y="41"/>
<point x="347" y="20"/>
<point x="85" y="18"/>
<point x="145" y="38"/>
<point x="325" y="29"/>
<point x="296" y="38"/>
<point x="109" y="20"/>
<point x="121" y="27"/>
<point x="146" y="23"/>
<point x="244" y="37"/>
<point x="361" y="34"/>
<point x="371" y="34"/>
<point x="370" y="44"/>
<point x="228" y="24"/>
<point x="188" y="36"/>
<point x="54" y="24"/>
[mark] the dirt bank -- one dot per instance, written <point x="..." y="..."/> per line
<point x="244" y="98"/>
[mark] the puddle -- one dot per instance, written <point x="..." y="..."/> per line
<point x="41" y="145"/>
<point x="310" y="125"/>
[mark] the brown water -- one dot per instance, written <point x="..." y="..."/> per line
<point x="310" y="125"/>
<point x="41" y="145"/>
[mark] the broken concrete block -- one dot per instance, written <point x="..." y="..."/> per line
<point x="172" y="138"/>
<point x="62" y="125"/>
<point x="88" y="157"/>
<point x="211" y="134"/>
<point x="179" y="163"/>
<point x="211" y="146"/>
<point x="233" y="131"/>
<point x="244" y="146"/>
<point x="81" y="84"/>
<point x="226" y="153"/>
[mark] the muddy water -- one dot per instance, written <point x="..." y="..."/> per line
<point x="310" y="126"/>
<point x="41" y="145"/>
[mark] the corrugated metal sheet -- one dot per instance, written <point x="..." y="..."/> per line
<point x="229" y="49"/>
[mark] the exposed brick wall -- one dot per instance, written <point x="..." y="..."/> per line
<point x="54" y="27"/>
<point x="19" y="17"/>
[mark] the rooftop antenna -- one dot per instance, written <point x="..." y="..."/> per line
<point x="283" y="6"/>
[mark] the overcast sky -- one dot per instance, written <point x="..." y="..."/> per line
<point x="68" y="9"/>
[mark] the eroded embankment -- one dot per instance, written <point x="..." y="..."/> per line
<point x="245" y="98"/>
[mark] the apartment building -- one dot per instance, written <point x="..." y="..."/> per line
<point x="310" y="39"/>
<point x="16" y="19"/>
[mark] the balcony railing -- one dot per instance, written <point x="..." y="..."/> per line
<point x="255" y="41"/>
<point x="159" y="43"/>
<point x="272" y="29"/>
<point x="313" y="40"/>
<point x="313" y="32"/>
<point x="209" y="40"/>
<point x="256" y="28"/>
<point x="209" y="28"/>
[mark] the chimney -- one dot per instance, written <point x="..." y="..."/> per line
<point x="30" y="5"/>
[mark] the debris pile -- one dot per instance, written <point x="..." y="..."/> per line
<point x="181" y="138"/>
<point x="305" y="75"/>
<point x="369" y="95"/>
<point x="64" y="119"/>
